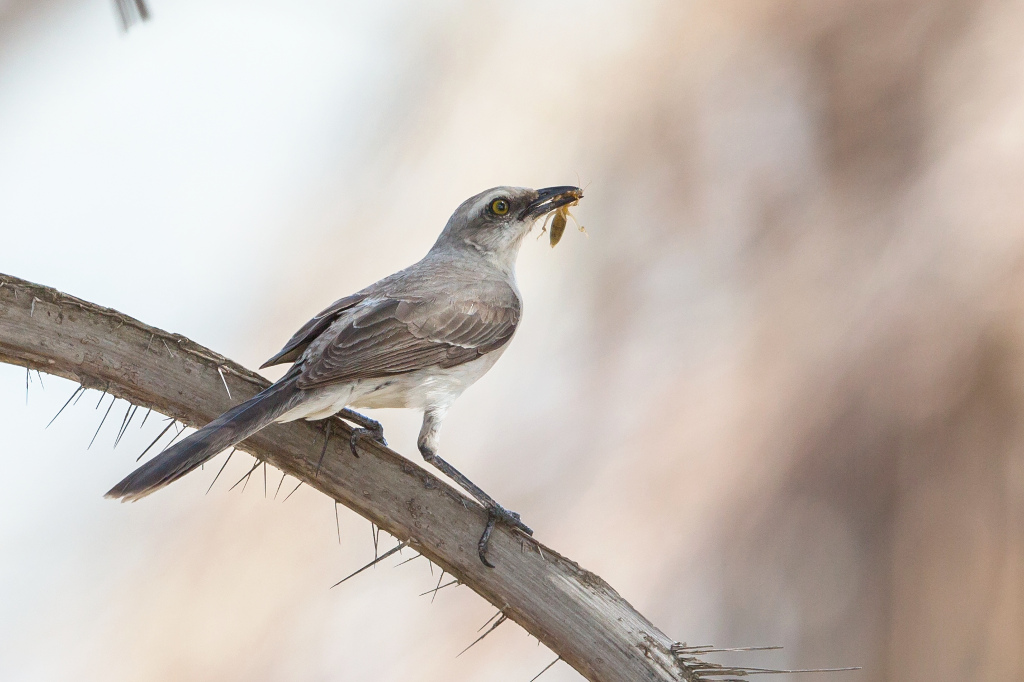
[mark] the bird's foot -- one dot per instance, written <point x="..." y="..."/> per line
<point x="498" y="514"/>
<point x="359" y="433"/>
<point x="365" y="428"/>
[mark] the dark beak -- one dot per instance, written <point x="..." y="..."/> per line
<point x="550" y="198"/>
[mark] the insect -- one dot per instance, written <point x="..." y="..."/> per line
<point x="558" y="222"/>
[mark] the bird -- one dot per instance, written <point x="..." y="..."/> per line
<point x="415" y="339"/>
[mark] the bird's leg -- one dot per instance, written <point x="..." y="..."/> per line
<point x="495" y="512"/>
<point x="365" y="428"/>
<point x="427" y="442"/>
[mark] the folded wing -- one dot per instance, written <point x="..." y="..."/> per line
<point x="389" y="336"/>
<point x="312" y="329"/>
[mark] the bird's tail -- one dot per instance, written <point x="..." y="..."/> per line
<point x="230" y="428"/>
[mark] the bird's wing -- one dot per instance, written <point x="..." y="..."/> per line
<point x="391" y="336"/>
<point x="312" y="329"/>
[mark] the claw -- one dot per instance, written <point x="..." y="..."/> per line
<point x="481" y="546"/>
<point x="364" y="427"/>
<point x="360" y="433"/>
<point x="498" y="514"/>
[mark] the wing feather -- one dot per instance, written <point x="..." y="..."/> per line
<point x="312" y="329"/>
<point x="393" y="336"/>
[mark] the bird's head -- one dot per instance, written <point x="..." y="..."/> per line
<point x="494" y="222"/>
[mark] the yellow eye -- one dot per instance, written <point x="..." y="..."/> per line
<point x="499" y="206"/>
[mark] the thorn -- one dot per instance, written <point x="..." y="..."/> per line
<point x="327" y="436"/>
<point x="169" y="351"/>
<point x="221" y="470"/>
<point x="32" y="308"/>
<point x="150" y="410"/>
<point x="488" y="620"/>
<point x="292" y="492"/>
<point x="438" y="587"/>
<point x="337" y="521"/>
<point x="245" y="478"/>
<point x="39" y="375"/>
<point x="102" y="396"/>
<point x="166" y="429"/>
<point x="125" y="422"/>
<point x="478" y="639"/>
<point x="279" y="485"/>
<point x="221" y="373"/>
<point x="375" y="561"/>
<point x="431" y="565"/>
<point x="545" y="668"/>
<point x="181" y="431"/>
<point x="109" y="407"/>
<point x="151" y="336"/>
<point x="412" y="558"/>
<point x="770" y="671"/>
<point x="441" y="587"/>
<point x="374" y="532"/>
<point x="709" y="649"/>
<point x="28" y="376"/>
<point x="79" y="396"/>
<point x="77" y="391"/>
<point x="264" y="480"/>
<point x="710" y="669"/>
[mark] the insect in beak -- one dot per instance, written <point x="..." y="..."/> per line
<point x="558" y="222"/>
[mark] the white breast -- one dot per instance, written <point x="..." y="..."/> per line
<point x="422" y="389"/>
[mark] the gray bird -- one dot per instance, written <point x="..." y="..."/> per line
<point x="415" y="339"/>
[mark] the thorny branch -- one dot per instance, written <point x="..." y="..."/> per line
<point x="572" y="611"/>
<point x="130" y="12"/>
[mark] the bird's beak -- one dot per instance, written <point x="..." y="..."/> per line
<point x="550" y="198"/>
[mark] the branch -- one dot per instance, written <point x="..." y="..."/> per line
<point x="572" y="611"/>
<point x="130" y="12"/>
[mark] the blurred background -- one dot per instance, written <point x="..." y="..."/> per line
<point x="774" y="397"/>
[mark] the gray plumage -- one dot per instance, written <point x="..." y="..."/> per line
<point x="230" y="428"/>
<point x="443" y="311"/>
<point x="417" y="339"/>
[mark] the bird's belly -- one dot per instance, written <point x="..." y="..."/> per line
<point x="434" y="387"/>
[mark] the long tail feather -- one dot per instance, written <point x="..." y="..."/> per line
<point x="230" y="428"/>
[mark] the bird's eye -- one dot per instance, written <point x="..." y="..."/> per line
<point x="499" y="206"/>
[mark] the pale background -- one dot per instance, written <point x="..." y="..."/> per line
<point x="774" y="397"/>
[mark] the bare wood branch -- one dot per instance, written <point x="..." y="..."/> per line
<point x="571" y="610"/>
